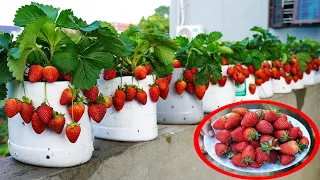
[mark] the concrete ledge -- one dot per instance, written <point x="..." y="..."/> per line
<point x="171" y="156"/>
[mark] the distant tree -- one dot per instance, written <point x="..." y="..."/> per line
<point x="159" y="21"/>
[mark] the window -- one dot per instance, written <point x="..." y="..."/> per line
<point x="294" y="13"/>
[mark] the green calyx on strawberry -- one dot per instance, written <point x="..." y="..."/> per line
<point x="269" y="146"/>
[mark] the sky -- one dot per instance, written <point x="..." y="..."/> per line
<point x="123" y="11"/>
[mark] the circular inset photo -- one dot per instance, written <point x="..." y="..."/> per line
<point x="257" y="139"/>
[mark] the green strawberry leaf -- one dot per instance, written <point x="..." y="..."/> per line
<point x="18" y="66"/>
<point x="225" y="50"/>
<point x="27" y="14"/>
<point x="215" y="36"/>
<point x="106" y="25"/>
<point x="65" y="59"/>
<point x="202" y="77"/>
<point x="4" y="70"/>
<point x="50" y="11"/>
<point x="164" y="53"/>
<point x="162" y="69"/>
<point x="183" y="41"/>
<point x="3" y="91"/>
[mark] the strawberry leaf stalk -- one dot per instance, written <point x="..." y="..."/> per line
<point x="269" y="146"/>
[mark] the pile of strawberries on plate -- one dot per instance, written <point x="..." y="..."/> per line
<point x="258" y="137"/>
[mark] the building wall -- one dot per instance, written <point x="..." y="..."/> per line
<point x="234" y="18"/>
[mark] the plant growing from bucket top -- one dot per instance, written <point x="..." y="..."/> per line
<point x="145" y="53"/>
<point x="45" y="50"/>
<point x="201" y="58"/>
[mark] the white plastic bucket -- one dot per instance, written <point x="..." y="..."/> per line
<point x="309" y="79"/>
<point x="265" y="90"/>
<point x="280" y="86"/>
<point x="243" y="93"/>
<point x="179" y="109"/>
<point x="317" y="77"/>
<point x="217" y="96"/>
<point x="47" y="149"/>
<point x="297" y="85"/>
<point x="135" y="122"/>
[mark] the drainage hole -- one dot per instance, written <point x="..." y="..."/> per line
<point x="192" y="106"/>
<point x="184" y="118"/>
<point x="23" y="123"/>
<point x="172" y="106"/>
<point x="48" y="157"/>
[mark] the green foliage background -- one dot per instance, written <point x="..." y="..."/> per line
<point x="3" y="132"/>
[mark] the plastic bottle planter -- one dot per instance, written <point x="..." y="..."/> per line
<point x="309" y="79"/>
<point x="297" y="85"/>
<point x="179" y="109"/>
<point x="317" y="76"/>
<point x="217" y="96"/>
<point x="280" y="86"/>
<point x="265" y="90"/>
<point x="48" y="149"/>
<point x="243" y="93"/>
<point x="135" y="122"/>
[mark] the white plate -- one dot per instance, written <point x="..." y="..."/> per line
<point x="210" y="142"/>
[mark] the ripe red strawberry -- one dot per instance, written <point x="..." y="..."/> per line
<point x="26" y="110"/>
<point x="300" y="75"/>
<point x="259" y="73"/>
<point x="188" y="75"/>
<point x="261" y="156"/>
<point x="119" y="97"/>
<point x="131" y="92"/>
<point x="239" y="147"/>
<point x="195" y="70"/>
<point x="270" y="115"/>
<point x="224" y="136"/>
<point x="224" y="61"/>
<point x="141" y="96"/>
<point x="252" y="88"/>
<point x="92" y="94"/>
<point x="234" y="120"/>
<point x="264" y="127"/>
<point x="246" y="73"/>
<point x="286" y="159"/>
<point x="66" y="96"/>
<point x="258" y="81"/>
<point x="239" y="68"/>
<point x="78" y="110"/>
<point x="73" y="131"/>
<point x="57" y="123"/>
<point x="277" y="64"/>
<point x="237" y="134"/>
<point x="251" y="119"/>
<point x="214" y="82"/>
<point x="284" y="116"/>
<point x="200" y="91"/>
<point x="288" y="79"/>
<point x="290" y="148"/>
<point x="109" y="74"/>
<point x="299" y="134"/>
<point x="176" y="64"/>
<point x="37" y="125"/>
<point x="287" y="67"/>
<point x="293" y="133"/>
<point x="241" y="78"/>
<point x="235" y="77"/>
<point x="220" y="123"/>
<point x="268" y="143"/>
<point x="248" y="154"/>
<point x="45" y="113"/>
<point x="35" y="73"/>
<point x="266" y="65"/>
<point x="222" y="150"/>
<point x="162" y="83"/>
<point x="240" y="111"/>
<point x="154" y="93"/>
<point x="190" y="87"/>
<point x="140" y="73"/>
<point x="283" y="74"/>
<point x="303" y="143"/>
<point x="168" y="78"/>
<point x="50" y="74"/>
<point x="67" y="76"/>
<point x="295" y="78"/>
<point x="237" y="161"/>
<point x="164" y="93"/>
<point x="280" y="124"/>
<point x="12" y="107"/>
<point x="255" y="143"/>
<point x="223" y="81"/>
<point x="255" y="165"/>
<point x="251" y="69"/>
<point x="230" y="71"/>
<point x="117" y="107"/>
<point x="282" y="135"/>
<point x="148" y="68"/>
<point x="273" y="157"/>
<point x="250" y="134"/>
<point x="108" y="101"/>
<point x="97" y="112"/>
<point x="180" y="86"/>
<point x="293" y="70"/>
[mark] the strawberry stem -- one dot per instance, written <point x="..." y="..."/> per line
<point x="45" y="93"/>
<point x="24" y="89"/>
<point x="72" y="102"/>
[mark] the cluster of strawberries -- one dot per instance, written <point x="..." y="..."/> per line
<point x="49" y="74"/>
<point x="239" y="74"/>
<point x="313" y="65"/>
<point x="258" y="137"/>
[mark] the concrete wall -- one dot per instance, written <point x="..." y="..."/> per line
<point x="234" y="18"/>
